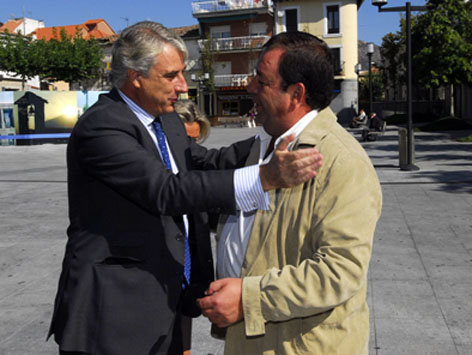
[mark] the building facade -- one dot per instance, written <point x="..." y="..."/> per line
<point x="336" y="23"/>
<point x="232" y="34"/>
<point x="238" y="28"/>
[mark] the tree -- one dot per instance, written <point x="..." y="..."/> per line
<point x="392" y="51"/>
<point x="378" y="88"/>
<point x="71" y="59"/>
<point x="442" y="42"/>
<point x="207" y="63"/>
<point x="61" y="58"/>
<point x="16" y="57"/>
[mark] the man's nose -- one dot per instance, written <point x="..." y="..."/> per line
<point x="181" y="85"/>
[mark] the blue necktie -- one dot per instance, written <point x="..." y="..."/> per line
<point x="161" y="141"/>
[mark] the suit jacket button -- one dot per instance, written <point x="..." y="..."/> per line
<point x="179" y="237"/>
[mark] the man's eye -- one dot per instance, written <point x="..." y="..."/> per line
<point x="170" y="75"/>
<point x="262" y="83"/>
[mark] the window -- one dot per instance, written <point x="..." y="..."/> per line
<point x="222" y="68"/>
<point x="230" y="108"/>
<point x="220" y="32"/>
<point x="257" y="29"/>
<point x="291" y="20"/>
<point x="332" y="16"/>
<point x="337" y="67"/>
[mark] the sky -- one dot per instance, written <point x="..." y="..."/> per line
<point x="171" y="13"/>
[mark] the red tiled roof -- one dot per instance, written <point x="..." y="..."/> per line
<point x="92" y="28"/>
<point x="11" y="25"/>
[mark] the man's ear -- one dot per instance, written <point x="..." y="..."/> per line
<point x="299" y="92"/>
<point x="133" y="77"/>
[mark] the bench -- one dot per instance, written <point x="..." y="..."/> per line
<point x="370" y="134"/>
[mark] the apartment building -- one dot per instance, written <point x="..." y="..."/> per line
<point x="237" y="29"/>
<point x="232" y="32"/>
<point x="334" y="21"/>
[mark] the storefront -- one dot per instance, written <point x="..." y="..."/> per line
<point x="233" y="101"/>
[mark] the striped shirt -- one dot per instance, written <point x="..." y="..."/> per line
<point x="248" y="191"/>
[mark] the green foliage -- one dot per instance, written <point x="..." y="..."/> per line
<point x="467" y="139"/>
<point x="392" y="52"/>
<point x="72" y="59"/>
<point x="69" y="59"/>
<point x="378" y="87"/>
<point x="442" y="44"/>
<point x="15" y="56"/>
<point x="207" y="63"/>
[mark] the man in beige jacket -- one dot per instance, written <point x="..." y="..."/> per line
<point x="294" y="279"/>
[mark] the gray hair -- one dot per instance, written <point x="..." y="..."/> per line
<point x="137" y="47"/>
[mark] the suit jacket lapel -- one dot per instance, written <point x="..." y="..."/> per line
<point x="142" y="133"/>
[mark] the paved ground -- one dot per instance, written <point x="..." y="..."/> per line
<point x="420" y="288"/>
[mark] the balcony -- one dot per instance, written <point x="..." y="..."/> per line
<point x="201" y="8"/>
<point x="235" y="43"/>
<point x="229" y="80"/>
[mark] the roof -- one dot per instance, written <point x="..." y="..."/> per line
<point x="98" y="29"/>
<point x="187" y="31"/>
<point x="11" y="25"/>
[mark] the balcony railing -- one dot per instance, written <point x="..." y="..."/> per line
<point x="201" y="7"/>
<point x="235" y="43"/>
<point x="232" y="80"/>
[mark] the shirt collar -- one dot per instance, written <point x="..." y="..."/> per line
<point x="298" y="127"/>
<point x="146" y="118"/>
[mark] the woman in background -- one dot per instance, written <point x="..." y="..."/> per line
<point x="196" y="123"/>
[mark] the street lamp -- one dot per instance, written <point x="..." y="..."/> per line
<point x="407" y="9"/>
<point x="370" y="51"/>
<point x="358" y="69"/>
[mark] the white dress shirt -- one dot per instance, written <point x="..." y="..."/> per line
<point x="248" y="191"/>
<point x="234" y="237"/>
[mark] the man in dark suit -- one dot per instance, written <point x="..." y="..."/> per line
<point x="138" y="187"/>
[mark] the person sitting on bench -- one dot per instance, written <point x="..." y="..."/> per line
<point x="360" y="120"/>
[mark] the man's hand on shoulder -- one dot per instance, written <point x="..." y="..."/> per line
<point x="223" y="305"/>
<point x="289" y="168"/>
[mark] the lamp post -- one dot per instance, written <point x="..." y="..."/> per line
<point x="407" y="9"/>
<point x="200" y="79"/>
<point x="370" y="51"/>
<point x="358" y="69"/>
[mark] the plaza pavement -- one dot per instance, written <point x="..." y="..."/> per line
<point x="420" y="279"/>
